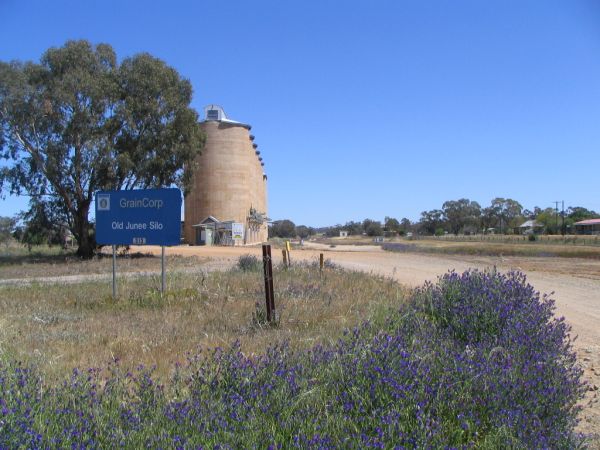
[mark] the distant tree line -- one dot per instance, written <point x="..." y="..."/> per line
<point x="287" y="229"/>
<point x="502" y="216"/>
<point x="462" y="216"/>
<point x="43" y="224"/>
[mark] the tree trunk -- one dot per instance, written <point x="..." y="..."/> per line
<point x="86" y="243"/>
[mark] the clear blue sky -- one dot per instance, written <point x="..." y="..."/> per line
<point x="367" y="109"/>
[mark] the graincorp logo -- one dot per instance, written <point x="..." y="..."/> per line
<point x="141" y="203"/>
<point x="103" y="202"/>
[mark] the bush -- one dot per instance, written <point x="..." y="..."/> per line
<point x="532" y="238"/>
<point x="512" y="357"/>
<point x="249" y="263"/>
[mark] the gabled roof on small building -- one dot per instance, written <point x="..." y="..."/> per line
<point x="207" y="221"/>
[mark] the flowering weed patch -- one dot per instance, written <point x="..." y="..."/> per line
<point x="476" y="360"/>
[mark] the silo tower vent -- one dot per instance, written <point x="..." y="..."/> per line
<point x="214" y="112"/>
<point x="217" y="114"/>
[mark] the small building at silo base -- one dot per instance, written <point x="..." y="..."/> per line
<point x="227" y="202"/>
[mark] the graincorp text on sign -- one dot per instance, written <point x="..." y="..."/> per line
<point x="141" y="203"/>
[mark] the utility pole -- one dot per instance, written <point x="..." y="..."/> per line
<point x="563" y="218"/>
<point x="556" y="202"/>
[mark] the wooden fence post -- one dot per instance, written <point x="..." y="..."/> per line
<point x="268" y="272"/>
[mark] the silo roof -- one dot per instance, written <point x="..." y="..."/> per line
<point x="215" y="113"/>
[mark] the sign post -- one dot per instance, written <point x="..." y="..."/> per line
<point x="139" y="217"/>
<point x="163" y="278"/>
<point x="114" y="267"/>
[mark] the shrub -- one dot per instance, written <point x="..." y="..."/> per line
<point x="532" y="238"/>
<point x="249" y="263"/>
<point x="513" y="358"/>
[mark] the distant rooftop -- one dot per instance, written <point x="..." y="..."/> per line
<point x="588" y="222"/>
<point x="217" y="114"/>
<point x="530" y="224"/>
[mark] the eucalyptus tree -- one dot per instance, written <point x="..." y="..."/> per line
<point x="460" y="213"/>
<point x="506" y="211"/>
<point x="431" y="220"/>
<point x="78" y="121"/>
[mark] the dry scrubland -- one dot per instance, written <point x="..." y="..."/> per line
<point x="59" y="327"/>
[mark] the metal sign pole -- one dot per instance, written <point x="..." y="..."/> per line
<point x="162" y="266"/>
<point x="114" y="271"/>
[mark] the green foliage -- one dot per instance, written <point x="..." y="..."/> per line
<point x="302" y="231"/>
<point x="578" y="213"/>
<point x="391" y="224"/>
<point x="503" y="213"/>
<point x="550" y="219"/>
<point x="372" y="227"/>
<point x="7" y="227"/>
<point x="460" y="213"/>
<point x="43" y="224"/>
<point x="78" y="122"/>
<point x="283" y="229"/>
<point x="431" y="220"/>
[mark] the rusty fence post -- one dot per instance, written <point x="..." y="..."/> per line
<point x="321" y="263"/>
<point x="268" y="274"/>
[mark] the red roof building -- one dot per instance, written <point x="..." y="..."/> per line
<point x="589" y="226"/>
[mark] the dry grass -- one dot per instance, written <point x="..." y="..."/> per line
<point x="80" y="325"/>
<point x="44" y="261"/>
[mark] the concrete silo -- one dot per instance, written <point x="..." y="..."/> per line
<point x="228" y="185"/>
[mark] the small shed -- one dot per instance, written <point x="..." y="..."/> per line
<point x="205" y="231"/>
<point x="343" y="234"/>
<point x="589" y="226"/>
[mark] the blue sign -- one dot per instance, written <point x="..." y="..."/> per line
<point x="138" y="217"/>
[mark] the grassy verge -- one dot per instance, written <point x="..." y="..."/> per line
<point x="79" y="325"/>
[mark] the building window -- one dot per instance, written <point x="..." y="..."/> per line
<point x="212" y="114"/>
